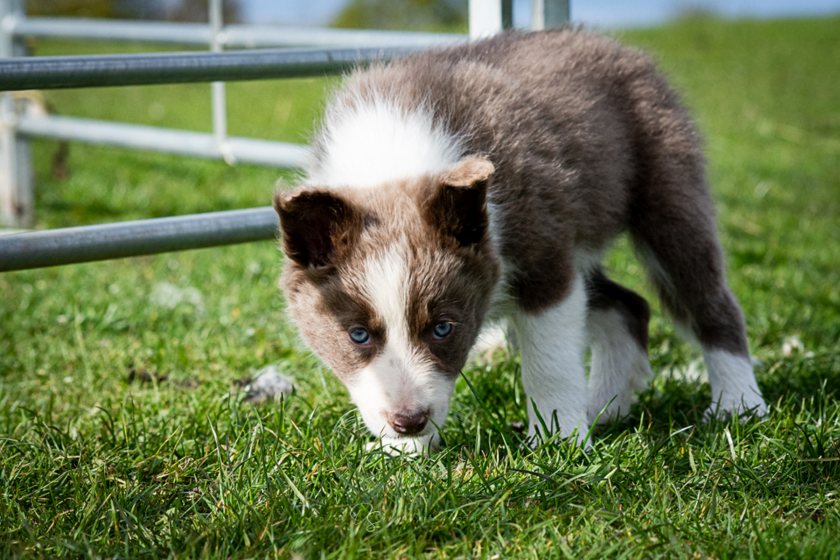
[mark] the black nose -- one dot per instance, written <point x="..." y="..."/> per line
<point x="409" y="422"/>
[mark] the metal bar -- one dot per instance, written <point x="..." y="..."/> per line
<point x="11" y="11"/>
<point x="217" y="89"/>
<point x="16" y="181"/>
<point x="486" y="17"/>
<point x="113" y="30"/>
<point x="39" y="249"/>
<point x="52" y="72"/>
<point x="253" y="36"/>
<point x="549" y="13"/>
<point x="250" y="36"/>
<point x="8" y="123"/>
<point x="139" y="137"/>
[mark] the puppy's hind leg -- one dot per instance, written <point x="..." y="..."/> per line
<point x="676" y="239"/>
<point x="552" y="341"/>
<point x="617" y="324"/>
<point x="672" y="224"/>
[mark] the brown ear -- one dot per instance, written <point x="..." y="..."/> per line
<point x="316" y="225"/>
<point x="458" y="206"/>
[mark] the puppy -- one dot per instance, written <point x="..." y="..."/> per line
<point x="483" y="182"/>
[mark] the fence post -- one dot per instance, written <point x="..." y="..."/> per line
<point x="16" y="197"/>
<point x="217" y="89"/>
<point x="549" y="13"/>
<point x="488" y="17"/>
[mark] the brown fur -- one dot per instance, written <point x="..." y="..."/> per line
<point x="588" y="140"/>
<point x="568" y="140"/>
<point x="346" y="231"/>
<point x="603" y="293"/>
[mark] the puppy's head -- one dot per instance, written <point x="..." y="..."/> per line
<point x="389" y="286"/>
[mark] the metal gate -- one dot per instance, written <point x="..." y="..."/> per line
<point x="292" y="53"/>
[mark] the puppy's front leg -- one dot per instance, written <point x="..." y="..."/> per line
<point x="552" y="341"/>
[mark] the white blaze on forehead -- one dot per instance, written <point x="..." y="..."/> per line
<point x="376" y="141"/>
<point x="386" y="285"/>
<point x="400" y="378"/>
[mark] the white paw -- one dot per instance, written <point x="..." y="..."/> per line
<point x="411" y="446"/>
<point x="734" y="388"/>
<point x="619" y="372"/>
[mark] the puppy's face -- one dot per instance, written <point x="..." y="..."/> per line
<point x="389" y="286"/>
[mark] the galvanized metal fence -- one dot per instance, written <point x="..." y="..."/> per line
<point x="302" y="53"/>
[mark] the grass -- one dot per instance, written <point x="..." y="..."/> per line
<point x="95" y="462"/>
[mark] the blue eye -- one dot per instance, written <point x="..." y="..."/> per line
<point x="359" y="335"/>
<point x="442" y="330"/>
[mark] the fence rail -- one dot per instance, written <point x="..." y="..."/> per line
<point x="53" y="72"/>
<point x="337" y="50"/>
<point x="231" y="36"/>
<point x="141" y="237"/>
<point x="181" y="142"/>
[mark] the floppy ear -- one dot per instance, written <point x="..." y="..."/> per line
<point x="316" y="225"/>
<point x="458" y="206"/>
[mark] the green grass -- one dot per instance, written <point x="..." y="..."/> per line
<point x="94" y="465"/>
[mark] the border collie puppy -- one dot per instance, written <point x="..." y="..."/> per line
<point x="484" y="182"/>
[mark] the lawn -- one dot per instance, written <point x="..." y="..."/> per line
<point x="123" y="431"/>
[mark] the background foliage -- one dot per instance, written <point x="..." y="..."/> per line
<point x="169" y="10"/>
<point x="419" y="15"/>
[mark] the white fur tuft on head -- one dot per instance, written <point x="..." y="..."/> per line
<point x="375" y="141"/>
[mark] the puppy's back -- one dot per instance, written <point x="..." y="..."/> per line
<point x="571" y="120"/>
